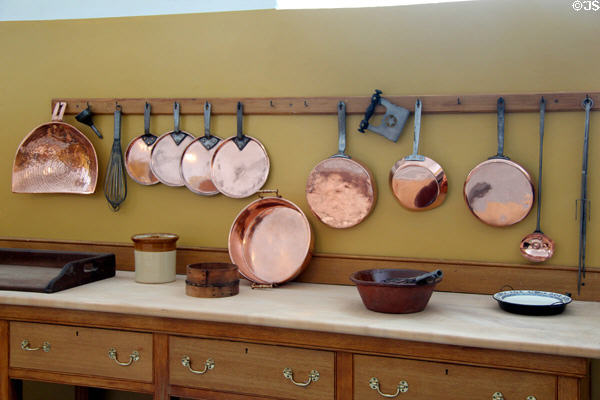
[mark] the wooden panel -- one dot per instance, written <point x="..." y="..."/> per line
<point x="4" y="381"/>
<point x="568" y="389"/>
<point x="80" y="350"/>
<point x="251" y="368"/>
<point x="160" y="355"/>
<point x="459" y="276"/>
<point x="570" y="366"/>
<point x="185" y="393"/>
<point x="471" y="103"/>
<point x="432" y="381"/>
<point x="343" y="375"/>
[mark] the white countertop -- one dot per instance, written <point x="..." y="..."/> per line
<point x="450" y="318"/>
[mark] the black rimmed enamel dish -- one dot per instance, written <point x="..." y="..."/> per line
<point x="532" y="302"/>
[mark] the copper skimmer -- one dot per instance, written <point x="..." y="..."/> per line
<point x="341" y="192"/>
<point x="499" y="191"/>
<point x="195" y="162"/>
<point x="537" y="246"/>
<point x="167" y="151"/>
<point x="55" y="157"/>
<point x="240" y="165"/>
<point x="138" y="154"/>
<point x="271" y="241"/>
<point x="418" y="182"/>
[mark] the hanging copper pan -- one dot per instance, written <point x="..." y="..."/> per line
<point x="55" y="157"/>
<point x="138" y="154"/>
<point x="499" y="191"/>
<point x="167" y="151"/>
<point x="195" y="162"/>
<point x="271" y="241"/>
<point x="341" y="192"/>
<point x="240" y="165"/>
<point x="418" y="182"/>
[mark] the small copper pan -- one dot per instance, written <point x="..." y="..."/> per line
<point x="271" y="241"/>
<point x="341" y="192"/>
<point x="418" y="182"/>
<point x="195" y="162"/>
<point x="167" y="151"/>
<point x="499" y="191"/>
<point x="138" y="154"/>
<point x="240" y="165"/>
<point x="55" y="157"/>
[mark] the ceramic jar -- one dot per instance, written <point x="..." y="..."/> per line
<point x="154" y="257"/>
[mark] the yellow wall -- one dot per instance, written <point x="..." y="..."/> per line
<point x="473" y="47"/>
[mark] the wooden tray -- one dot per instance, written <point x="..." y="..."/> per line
<point x="49" y="271"/>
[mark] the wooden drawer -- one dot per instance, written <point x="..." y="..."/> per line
<point x="252" y="368"/>
<point x="82" y="351"/>
<point x="432" y="381"/>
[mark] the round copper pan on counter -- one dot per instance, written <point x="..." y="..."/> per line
<point x="499" y="191"/>
<point x="139" y="152"/>
<point x="195" y="162"/>
<point x="55" y="157"/>
<point x="418" y="182"/>
<point x="341" y="192"/>
<point x="167" y="151"/>
<point x="271" y="241"/>
<point x="240" y="165"/>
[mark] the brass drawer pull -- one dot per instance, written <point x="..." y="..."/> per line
<point x="134" y="356"/>
<point x="498" y="396"/>
<point x="208" y="365"/>
<point x="401" y="388"/>
<point x="313" y="376"/>
<point x="25" y="346"/>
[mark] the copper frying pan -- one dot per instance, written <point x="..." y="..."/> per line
<point x="418" y="182"/>
<point x="165" y="158"/>
<point x="195" y="161"/>
<point x="138" y="154"/>
<point x="240" y="165"/>
<point x="271" y="241"/>
<point x="341" y="192"/>
<point x="499" y="191"/>
<point x="55" y="157"/>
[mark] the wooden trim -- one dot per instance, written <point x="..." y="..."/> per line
<point x="344" y="373"/>
<point x="521" y="361"/>
<point x="160" y="362"/>
<point x="81" y="380"/>
<point x="469" y="103"/>
<point x="202" y="394"/>
<point x="4" y="352"/>
<point x="459" y="276"/>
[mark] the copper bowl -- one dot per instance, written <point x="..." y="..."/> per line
<point x="395" y="298"/>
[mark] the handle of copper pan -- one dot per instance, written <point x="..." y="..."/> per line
<point x="500" y="108"/>
<point x="415" y="154"/>
<point x="341" y="131"/>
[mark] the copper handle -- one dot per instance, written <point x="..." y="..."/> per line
<point x="44" y="347"/>
<point x="208" y="365"/>
<point x="313" y="376"/>
<point x="401" y="388"/>
<point x="133" y="357"/>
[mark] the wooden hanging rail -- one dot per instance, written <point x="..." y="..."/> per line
<point x="471" y="103"/>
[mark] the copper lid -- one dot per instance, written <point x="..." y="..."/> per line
<point x="155" y="242"/>
<point x="137" y="162"/>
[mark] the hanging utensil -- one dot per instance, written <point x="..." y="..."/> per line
<point x="195" y="162"/>
<point x="115" y="184"/>
<point x="584" y="203"/>
<point x="85" y="117"/>
<point x="240" y="165"/>
<point x="166" y="153"/>
<point x="340" y="191"/>
<point x="537" y="246"/>
<point x="392" y="122"/>
<point x="418" y="183"/>
<point x="138" y="154"/>
<point x="55" y="157"/>
<point x="499" y="191"/>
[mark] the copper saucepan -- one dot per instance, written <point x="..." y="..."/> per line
<point x="499" y="191"/>
<point x="271" y="241"/>
<point x="138" y="154"/>
<point x="167" y="151"/>
<point x="195" y="162"/>
<point x="55" y="157"/>
<point x="240" y="165"/>
<point x="341" y="192"/>
<point x="418" y="182"/>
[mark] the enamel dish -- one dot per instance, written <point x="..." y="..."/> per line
<point x="532" y="302"/>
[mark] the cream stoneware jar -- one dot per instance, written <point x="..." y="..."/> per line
<point x="154" y="257"/>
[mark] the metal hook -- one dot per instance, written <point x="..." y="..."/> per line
<point x="118" y="107"/>
<point x="305" y="103"/>
<point x="271" y="103"/>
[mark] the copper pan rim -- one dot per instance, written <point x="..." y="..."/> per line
<point x="239" y="240"/>
<point x="93" y="171"/>
<point x="175" y="163"/>
<point x="527" y="182"/>
<point x="436" y="172"/>
<point x="370" y="195"/>
<point x="153" y="179"/>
